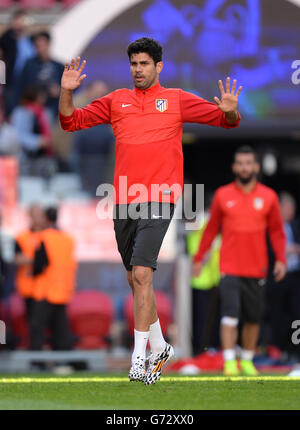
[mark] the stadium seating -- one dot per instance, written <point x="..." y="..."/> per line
<point x="91" y="313"/>
<point x="164" y="310"/>
<point x="4" y="4"/>
<point x="37" y="4"/>
<point x="17" y="315"/>
<point x="31" y="189"/>
<point x="70" y="3"/>
<point x="65" y="184"/>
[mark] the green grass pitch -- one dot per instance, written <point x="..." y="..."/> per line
<point x="172" y="392"/>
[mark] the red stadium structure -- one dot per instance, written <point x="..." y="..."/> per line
<point x="91" y="314"/>
<point x="164" y="310"/>
<point x="17" y="316"/>
<point x="4" y="4"/>
<point x="37" y="4"/>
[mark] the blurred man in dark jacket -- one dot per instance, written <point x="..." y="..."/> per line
<point x="15" y="49"/>
<point x="43" y="71"/>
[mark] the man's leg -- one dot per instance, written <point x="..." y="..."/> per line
<point x="250" y="334"/>
<point x="148" y="237"/>
<point x="61" y="336"/>
<point x="145" y="313"/>
<point x="39" y="318"/>
<point x="157" y="341"/>
<point x="230" y="309"/>
<point x="229" y="333"/>
<point x="154" y="316"/>
<point x="252" y="306"/>
<point x="140" y="281"/>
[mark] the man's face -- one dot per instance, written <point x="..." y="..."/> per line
<point x="288" y="209"/>
<point x="144" y="72"/>
<point x="42" y="44"/>
<point x="37" y="218"/>
<point x="18" y="24"/>
<point x="245" y="167"/>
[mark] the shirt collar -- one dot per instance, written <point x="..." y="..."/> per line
<point x="149" y="91"/>
<point x="242" y="191"/>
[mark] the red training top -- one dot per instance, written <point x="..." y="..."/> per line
<point x="147" y="125"/>
<point x="244" y="219"/>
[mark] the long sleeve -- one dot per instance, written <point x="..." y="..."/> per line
<point x="196" y="109"/>
<point x="95" y="113"/>
<point x="23" y="120"/>
<point x="276" y="231"/>
<point x="211" y="230"/>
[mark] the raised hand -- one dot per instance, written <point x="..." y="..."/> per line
<point x="279" y="271"/>
<point x="229" y="100"/>
<point x="72" y="78"/>
<point x="197" y="268"/>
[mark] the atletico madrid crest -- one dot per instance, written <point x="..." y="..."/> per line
<point x="161" y="104"/>
<point x="258" y="203"/>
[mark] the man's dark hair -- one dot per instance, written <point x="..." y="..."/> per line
<point x="31" y="93"/>
<point x="245" y="149"/>
<point x="51" y="214"/>
<point x="145" y="44"/>
<point x="17" y="13"/>
<point x="44" y="33"/>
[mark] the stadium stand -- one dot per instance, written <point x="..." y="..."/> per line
<point x="69" y="3"/>
<point x="37" y="4"/>
<point x="4" y="4"/>
<point x="17" y="313"/>
<point x="164" y="310"/>
<point x="91" y="315"/>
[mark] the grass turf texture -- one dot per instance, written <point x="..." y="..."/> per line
<point x="114" y="392"/>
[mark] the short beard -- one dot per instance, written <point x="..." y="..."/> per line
<point x="145" y="86"/>
<point x="245" y="181"/>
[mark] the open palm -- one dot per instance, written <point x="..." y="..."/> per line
<point x="72" y="78"/>
<point x="229" y="100"/>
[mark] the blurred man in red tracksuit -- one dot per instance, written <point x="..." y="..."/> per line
<point x="243" y="211"/>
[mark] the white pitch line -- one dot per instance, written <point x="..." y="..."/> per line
<point x="164" y="379"/>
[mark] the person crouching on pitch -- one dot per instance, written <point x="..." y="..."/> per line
<point x="244" y="210"/>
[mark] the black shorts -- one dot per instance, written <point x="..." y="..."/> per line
<point x="242" y="298"/>
<point x="140" y="229"/>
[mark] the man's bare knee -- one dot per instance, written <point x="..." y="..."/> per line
<point x="141" y="276"/>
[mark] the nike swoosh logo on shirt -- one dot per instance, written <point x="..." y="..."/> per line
<point x="124" y="105"/>
<point x="156" y="216"/>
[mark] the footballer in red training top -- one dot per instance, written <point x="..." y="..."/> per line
<point x="244" y="211"/>
<point x="147" y="124"/>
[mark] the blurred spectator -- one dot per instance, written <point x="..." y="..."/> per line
<point x="15" y="49"/>
<point x="205" y="299"/>
<point x="6" y="261"/>
<point x="9" y="142"/>
<point x="3" y="267"/>
<point x="32" y="125"/>
<point x="92" y="147"/>
<point x="6" y="284"/>
<point x="43" y="71"/>
<point x="54" y="281"/>
<point x="25" y="246"/>
<point x="88" y="152"/>
<point x="285" y="296"/>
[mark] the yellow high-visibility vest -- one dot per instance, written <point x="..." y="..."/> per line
<point x="210" y="274"/>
